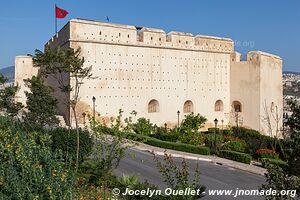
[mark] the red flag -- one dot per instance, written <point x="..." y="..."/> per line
<point x="60" y="13"/>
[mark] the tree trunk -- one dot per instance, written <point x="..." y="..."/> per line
<point x="78" y="142"/>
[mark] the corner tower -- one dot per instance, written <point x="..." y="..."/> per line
<point x="256" y="92"/>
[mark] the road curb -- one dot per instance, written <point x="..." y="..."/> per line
<point x="182" y="156"/>
<point x="213" y="159"/>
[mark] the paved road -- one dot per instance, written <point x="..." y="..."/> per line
<point x="212" y="176"/>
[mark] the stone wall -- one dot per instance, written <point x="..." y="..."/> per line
<point x="257" y="84"/>
<point x="132" y="67"/>
<point x="23" y="70"/>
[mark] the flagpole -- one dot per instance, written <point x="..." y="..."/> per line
<point x="55" y="20"/>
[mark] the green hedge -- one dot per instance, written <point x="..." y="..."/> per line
<point x="212" y="130"/>
<point x="170" y="136"/>
<point x="236" y="156"/>
<point x="168" y="145"/>
<point x="178" y="146"/>
<point x="278" y="162"/>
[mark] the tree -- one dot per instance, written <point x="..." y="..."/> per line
<point x="59" y="64"/>
<point x="289" y="177"/>
<point x="193" y="122"/>
<point x="293" y="148"/>
<point x="7" y="97"/>
<point x="143" y="126"/>
<point x="40" y="103"/>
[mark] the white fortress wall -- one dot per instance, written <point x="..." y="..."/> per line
<point x="245" y="88"/>
<point x="257" y="84"/>
<point x="132" y="67"/>
<point x="23" y="70"/>
<point x="271" y="91"/>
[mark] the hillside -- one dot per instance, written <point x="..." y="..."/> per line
<point x="8" y="72"/>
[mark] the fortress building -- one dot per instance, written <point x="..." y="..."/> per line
<point x="157" y="73"/>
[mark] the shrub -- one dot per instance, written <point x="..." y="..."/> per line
<point x="8" y="123"/>
<point x="170" y="136"/>
<point x="266" y="153"/>
<point x="212" y="130"/>
<point x="254" y="139"/>
<point x="278" y="162"/>
<point x="191" y="137"/>
<point x="143" y="126"/>
<point x="177" y="146"/>
<point x="166" y="144"/>
<point x="227" y="131"/>
<point x="30" y="170"/>
<point x="133" y="183"/>
<point x="236" y="156"/>
<point x="210" y="138"/>
<point x="239" y="146"/>
<point x="228" y="138"/>
<point x="66" y="140"/>
<point x="179" y="177"/>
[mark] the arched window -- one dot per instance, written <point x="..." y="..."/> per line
<point x="219" y="106"/>
<point x="237" y="106"/>
<point x="153" y="106"/>
<point x="188" y="107"/>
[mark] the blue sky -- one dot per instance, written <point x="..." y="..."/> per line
<point x="271" y="25"/>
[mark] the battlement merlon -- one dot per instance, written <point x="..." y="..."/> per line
<point x="79" y="30"/>
<point x="261" y="53"/>
<point x="255" y="56"/>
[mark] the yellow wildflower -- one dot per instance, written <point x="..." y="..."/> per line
<point x="63" y="176"/>
<point x="49" y="190"/>
<point x="54" y="173"/>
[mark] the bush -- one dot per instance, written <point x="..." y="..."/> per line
<point x="278" y="162"/>
<point x="239" y="146"/>
<point x="266" y="153"/>
<point x="133" y="183"/>
<point x="171" y="136"/>
<point x="212" y="130"/>
<point x="66" y="140"/>
<point x="30" y="170"/>
<point x="236" y="156"/>
<point x="227" y="132"/>
<point x="254" y="139"/>
<point x="169" y="145"/>
<point x="178" y="146"/>
<point x="228" y="138"/>
<point x="8" y="123"/>
<point x="143" y="126"/>
<point x="210" y="138"/>
<point x="191" y="137"/>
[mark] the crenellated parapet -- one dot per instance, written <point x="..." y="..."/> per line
<point x="257" y="57"/>
<point x="99" y="32"/>
<point x="61" y="38"/>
